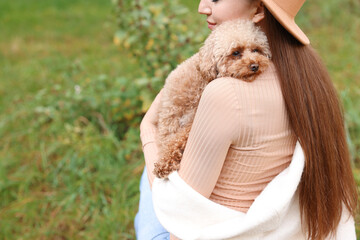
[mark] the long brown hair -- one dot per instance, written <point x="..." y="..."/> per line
<point x="316" y="116"/>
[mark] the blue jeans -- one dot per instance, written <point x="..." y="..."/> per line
<point x="147" y="226"/>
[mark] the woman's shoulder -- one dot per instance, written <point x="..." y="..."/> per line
<point x="219" y="92"/>
<point x="265" y="90"/>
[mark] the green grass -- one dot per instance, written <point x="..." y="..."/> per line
<point x="66" y="172"/>
<point x="60" y="179"/>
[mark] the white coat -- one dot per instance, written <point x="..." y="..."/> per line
<point x="274" y="215"/>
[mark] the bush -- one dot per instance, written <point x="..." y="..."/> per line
<point x="156" y="34"/>
<point x="89" y="140"/>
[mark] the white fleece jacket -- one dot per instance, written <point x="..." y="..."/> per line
<point x="274" y="215"/>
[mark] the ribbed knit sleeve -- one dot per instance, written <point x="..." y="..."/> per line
<point x="214" y="129"/>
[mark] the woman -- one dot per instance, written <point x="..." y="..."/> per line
<point x="244" y="136"/>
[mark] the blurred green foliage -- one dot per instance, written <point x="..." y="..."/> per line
<point x="76" y="78"/>
<point x="158" y="34"/>
<point x="69" y="123"/>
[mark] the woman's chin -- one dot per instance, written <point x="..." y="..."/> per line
<point x="211" y="26"/>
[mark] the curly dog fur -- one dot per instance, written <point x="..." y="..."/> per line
<point x="235" y="49"/>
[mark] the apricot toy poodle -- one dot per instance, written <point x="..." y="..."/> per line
<point x="235" y="49"/>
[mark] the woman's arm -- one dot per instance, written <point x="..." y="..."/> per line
<point x="148" y="128"/>
<point x="215" y="128"/>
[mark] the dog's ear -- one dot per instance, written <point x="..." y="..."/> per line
<point x="207" y="59"/>
<point x="267" y="52"/>
<point x="263" y="42"/>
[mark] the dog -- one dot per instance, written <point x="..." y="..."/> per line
<point x="237" y="49"/>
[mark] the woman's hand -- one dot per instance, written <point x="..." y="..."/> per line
<point x="151" y="117"/>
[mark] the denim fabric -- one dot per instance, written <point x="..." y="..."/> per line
<point x="147" y="226"/>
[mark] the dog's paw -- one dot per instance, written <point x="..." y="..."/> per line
<point x="163" y="170"/>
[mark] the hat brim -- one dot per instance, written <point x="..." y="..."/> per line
<point x="286" y="21"/>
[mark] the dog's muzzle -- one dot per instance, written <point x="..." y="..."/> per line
<point x="254" y="67"/>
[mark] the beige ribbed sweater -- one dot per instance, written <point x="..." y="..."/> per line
<point x="239" y="141"/>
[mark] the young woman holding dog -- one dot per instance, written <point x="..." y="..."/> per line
<point x="265" y="129"/>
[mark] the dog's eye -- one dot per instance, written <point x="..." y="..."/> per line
<point x="236" y="53"/>
<point x="255" y="50"/>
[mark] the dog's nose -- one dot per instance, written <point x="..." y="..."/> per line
<point x="254" y="67"/>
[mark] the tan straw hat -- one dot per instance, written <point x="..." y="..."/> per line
<point x="285" y="11"/>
